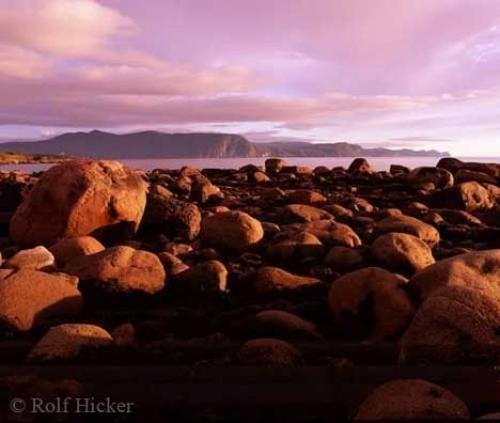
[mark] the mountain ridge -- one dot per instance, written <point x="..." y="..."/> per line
<point x="155" y="144"/>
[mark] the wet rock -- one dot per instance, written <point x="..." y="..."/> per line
<point x="81" y="197"/>
<point x="272" y="279"/>
<point x="370" y="303"/>
<point x="399" y="251"/>
<point x="268" y="351"/>
<point x="306" y="213"/>
<point x="70" y="248"/>
<point x="409" y="225"/>
<point x="412" y="399"/>
<point x="455" y="324"/>
<point x="67" y="340"/>
<point x="233" y="230"/>
<point x="28" y="297"/>
<point x="260" y="177"/>
<point x="209" y="276"/>
<point x="120" y="270"/>
<point x="478" y="270"/>
<point x="286" y="246"/>
<point x="35" y="259"/>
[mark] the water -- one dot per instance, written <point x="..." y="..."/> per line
<point x="379" y="163"/>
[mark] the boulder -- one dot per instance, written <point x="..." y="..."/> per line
<point x="172" y="264"/>
<point x="66" y="341"/>
<point x="286" y="246"/>
<point x="70" y="248"/>
<point x="468" y="196"/>
<point x="284" y="325"/>
<point x="338" y="211"/>
<point x="306" y="196"/>
<point x="304" y="213"/>
<point x="399" y="251"/>
<point x="172" y="217"/>
<point x="455" y="324"/>
<point x="479" y="270"/>
<point x="80" y="197"/>
<point x="274" y="165"/>
<point x="412" y="399"/>
<point x="343" y="259"/>
<point x="439" y="177"/>
<point x="466" y="175"/>
<point x="409" y="225"/>
<point x="234" y="230"/>
<point x="34" y="259"/>
<point x="28" y="297"/>
<point x="370" y="303"/>
<point x="120" y="269"/>
<point x="208" y="276"/>
<point x="329" y="232"/>
<point x="260" y="177"/>
<point x="268" y="351"/>
<point x="360" y="165"/>
<point x="271" y="279"/>
<point x="205" y="192"/>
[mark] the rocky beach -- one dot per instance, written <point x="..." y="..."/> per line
<point x="387" y="281"/>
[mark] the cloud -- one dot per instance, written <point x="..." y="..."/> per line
<point x="69" y="28"/>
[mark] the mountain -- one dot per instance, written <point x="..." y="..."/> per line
<point x="152" y="144"/>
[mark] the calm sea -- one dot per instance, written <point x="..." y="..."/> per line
<point x="379" y="163"/>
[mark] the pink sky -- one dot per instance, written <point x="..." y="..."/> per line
<point x="393" y="73"/>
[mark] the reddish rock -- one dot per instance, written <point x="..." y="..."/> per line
<point x="400" y="251"/>
<point x="360" y="165"/>
<point x="468" y="196"/>
<point x="412" y="399"/>
<point x="271" y="279"/>
<point x="80" y="197"/>
<point x="233" y="230"/>
<point x="274" y="165"/>
<point x="120" y="269"/>
<point x="287" y="246"/>
<point x="409" y="225"/>
<point x="67" y="340"/>
<point x="208" y="276"/>
<point x="70" y="248"/>
<point x="28" y="297"/>
<point x="304" y="213"/>
<point x="306" y="196"/>
<point x="370" y="303"/>
<point x="34" y="258"/>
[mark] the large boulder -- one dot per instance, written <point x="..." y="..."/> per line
<point x="80" y="197"/>
<point x="360" y="166"/>
<point x="274" y="165"/>
<point x="400" y="251"/>
<point x="411" y="399"/>
<point x="121" y="270"/>
<point x="370" y="303"/>
<point x="468" y="196"/>
<point x="479" y="270"/>
<point x="409" y="225"/>
<point x="233" y="230"/>
<point x="455" y="324"/>
<point x="27" y="297"/>
<point x="67" y="340"/>
<point x="69" y="248"/>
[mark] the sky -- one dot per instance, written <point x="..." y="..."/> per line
<point x="382" y="73"/>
